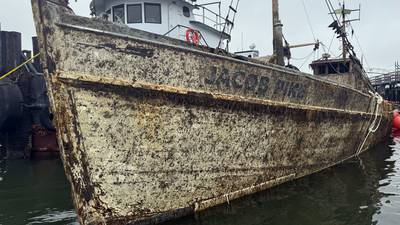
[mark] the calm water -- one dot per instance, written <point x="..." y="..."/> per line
<point x="359" y="192"/>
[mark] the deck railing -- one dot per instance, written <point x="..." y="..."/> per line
<point x="209" y="17"/>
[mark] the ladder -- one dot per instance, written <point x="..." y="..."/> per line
<point x="229" y="21"/>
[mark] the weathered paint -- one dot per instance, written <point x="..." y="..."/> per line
<point x="152" y="129"/>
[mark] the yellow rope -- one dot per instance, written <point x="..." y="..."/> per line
<point x="16" y="68"/>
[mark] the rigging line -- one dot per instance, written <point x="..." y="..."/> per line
<point x="329" y="51"/>
<point x="305" y="61"/>
<point x="332" y="11"/>
<point x="334" y="15"/>
<point x="308" y="20"/>
<point x="359" y="45"/>
<point x="330" y="44"/>
<point x="323" y="46"/>
<point x="302" y="57"/>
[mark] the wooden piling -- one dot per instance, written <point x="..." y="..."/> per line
<point x="1" y="54"/>
<point x="35" y="48"/>
<point x="10" y="53"/>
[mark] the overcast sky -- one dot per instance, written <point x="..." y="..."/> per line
<point x="377" y="33"/>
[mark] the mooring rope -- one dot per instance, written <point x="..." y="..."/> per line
<point x="375" y="124"/>
<point x="18" y="67"/>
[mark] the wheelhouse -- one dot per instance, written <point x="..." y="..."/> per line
<point x="324" y="67"/>
<point x="173" y="18"/>
<point x="347" y="71"/>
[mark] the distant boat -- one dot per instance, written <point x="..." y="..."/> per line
<point x="153" y="128"/>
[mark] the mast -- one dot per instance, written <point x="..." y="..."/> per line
<point x="344" y="46"/>
<point x="341" y="26"/>
<point x="277" y="34"/>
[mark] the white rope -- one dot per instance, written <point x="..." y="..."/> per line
<point x="375" y="124"/>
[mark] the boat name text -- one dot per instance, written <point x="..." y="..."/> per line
<point x="223" y="79"/>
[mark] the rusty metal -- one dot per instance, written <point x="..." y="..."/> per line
<point x="44" y="141"/>
<point x="151" y="128"/>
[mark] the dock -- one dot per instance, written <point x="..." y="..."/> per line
<point x="388" y="85"/>
<point x="25" y="120"/>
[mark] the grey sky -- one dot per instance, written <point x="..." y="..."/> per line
<point x="377" y="31"/>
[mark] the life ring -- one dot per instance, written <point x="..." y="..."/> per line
<point x="192" y="36"/>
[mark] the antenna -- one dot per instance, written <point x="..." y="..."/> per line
<point x="346" y="12"/>
<point x="340" y="25"/>
<point x="242" y="41"/>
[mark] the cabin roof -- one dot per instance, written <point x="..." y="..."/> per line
<point x="324" y="61"/>
<point x="100" y="3"/>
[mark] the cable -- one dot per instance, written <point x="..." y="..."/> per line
<point x="305" y="61"/>
<point x="332" y="12"/>
<point x="302" y="57"/>
<point x="330" y="44"/>
<point x="350" y="48"/>
<point x="359" y="45"/>
<point x="308" y="20"/>
<point x="329" y="51"/>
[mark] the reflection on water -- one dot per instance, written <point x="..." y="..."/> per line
<point x="34" y="192"/>
<point x="389" y="186"/>
<point x="359" y="192"/>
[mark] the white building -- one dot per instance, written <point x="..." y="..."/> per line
<point x="178" y="19"/>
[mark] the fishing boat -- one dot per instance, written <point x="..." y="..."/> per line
<point x="156" y="120"/>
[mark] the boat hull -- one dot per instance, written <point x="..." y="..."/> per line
<point x="152" y="129"/>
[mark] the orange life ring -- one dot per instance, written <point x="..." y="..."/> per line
<point x="192" y="36"/>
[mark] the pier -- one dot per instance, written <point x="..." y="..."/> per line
<point x="388" y="85"/>
<point x="25" y="124"/>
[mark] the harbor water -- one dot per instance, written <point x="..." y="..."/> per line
<point x="361" y="191"/>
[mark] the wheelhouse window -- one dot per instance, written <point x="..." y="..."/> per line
<point x="134" y="12"/>
<point x="152" y="13"/>
<point x="186" y="11"/>
<point x="332" y="68"/>
<point x="119" y="13"/>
